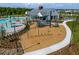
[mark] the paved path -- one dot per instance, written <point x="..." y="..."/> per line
<point x="56" y="46"/>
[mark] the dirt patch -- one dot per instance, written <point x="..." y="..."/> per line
<point x="38" y="38"/>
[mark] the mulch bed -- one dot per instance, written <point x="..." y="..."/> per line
<point x="11" y="48"/>
<point x="71" y="49"/>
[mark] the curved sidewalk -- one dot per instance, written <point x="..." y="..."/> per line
<point x="56" y="46"/>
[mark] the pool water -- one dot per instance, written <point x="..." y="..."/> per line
<point x="7" y="22"/>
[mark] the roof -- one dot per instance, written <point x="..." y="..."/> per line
<point x="43" y="12"/>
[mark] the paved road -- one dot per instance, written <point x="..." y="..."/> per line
<point x="56" y="46"/>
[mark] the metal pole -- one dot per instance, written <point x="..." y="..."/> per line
<point x="27" y="31"/>
<point x="2" y="31"/>
<point x="14" y="28"/>
<point x="38" y="27"/>
<point x="10" y="21"/>
<point x="26" y="23"/>
<point x="50" y="18"/>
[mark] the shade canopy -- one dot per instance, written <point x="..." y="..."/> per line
<point x="39" y="14"/>
<point x="26" y="12"/>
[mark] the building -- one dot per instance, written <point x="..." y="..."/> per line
<point x="43" y="15"/>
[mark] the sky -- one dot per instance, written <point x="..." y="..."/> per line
<point x="45" y="5"/>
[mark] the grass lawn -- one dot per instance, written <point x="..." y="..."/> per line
<point x="75" y="38"/>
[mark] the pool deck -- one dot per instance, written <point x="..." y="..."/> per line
<point x="11" y="30"/>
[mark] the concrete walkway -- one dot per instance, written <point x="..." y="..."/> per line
<point x="56" y="46"/>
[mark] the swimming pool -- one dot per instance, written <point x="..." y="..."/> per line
<point x="8" y="23"/>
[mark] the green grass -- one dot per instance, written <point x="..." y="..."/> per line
<point x="75" y="33"/>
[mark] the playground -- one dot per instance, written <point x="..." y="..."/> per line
<point x="41" y="37"/>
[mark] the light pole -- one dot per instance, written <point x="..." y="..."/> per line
<point x="27" y="23"/>
<point x="38" y="24"/>
<point x="2" y="31"/>
<point x="50" y="17"/>
<point x="10" y="21"/>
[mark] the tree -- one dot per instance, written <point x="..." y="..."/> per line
<point x="11" y="11"/>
